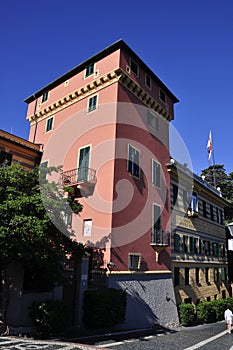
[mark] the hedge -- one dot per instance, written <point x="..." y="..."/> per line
<point x="104" y="308"/>
<point x="204" y="312"/>
<point x="49" y="318"/>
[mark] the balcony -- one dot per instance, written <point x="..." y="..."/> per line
<point x="84" y="179"/>
<point x="192" y="213"/>
<point x="159" y="240"/>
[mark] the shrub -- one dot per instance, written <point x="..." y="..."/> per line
<point x="104" y="308"/>
<point x="206" y="312"/>
<point x="49" y="317"/>
<point x="186" y="313"/>
<point x="219" y="306"/>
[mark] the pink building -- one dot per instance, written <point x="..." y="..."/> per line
<point x="107" y="123"/>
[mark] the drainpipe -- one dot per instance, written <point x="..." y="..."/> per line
<point x="35" y="119"/>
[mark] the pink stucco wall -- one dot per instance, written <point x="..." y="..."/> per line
<point x="120" y="204"/>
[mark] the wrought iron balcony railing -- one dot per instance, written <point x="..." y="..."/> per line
<point x="78" y="176"/>
<point x="160" y="238"/>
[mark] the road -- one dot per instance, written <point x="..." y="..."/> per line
<point x="204" y="337"/>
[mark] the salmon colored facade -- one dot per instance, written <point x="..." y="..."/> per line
<point x="14" y="149"/>
<point x="107" y="123"/>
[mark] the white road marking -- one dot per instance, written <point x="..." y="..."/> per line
<point x="118" y="343"/>
<point x="204" y="342"/>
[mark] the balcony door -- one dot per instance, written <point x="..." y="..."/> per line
<point x="83" y="164"/>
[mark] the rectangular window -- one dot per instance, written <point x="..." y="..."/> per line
<point x="156" y="173"/>
<point x="176" y="242"/>
<point x="133" y="161"/>
<point x="194" y="202"/>
<point x="211" y="212"/>
<point x="134" y="261"/>
<point x="196" y="247"/>
<point x="222" y="250"/>
<point x="176" y="276"/>
<point x="162" y="96"/>
<point x="200" y="246"/>
<point x="204" y="209"/>
<point x="186" y="276"/>
<point x="49" y="124"/>
<point x="83" y="163"/>
<point x="148" y="81"/>
<point x="185" y="244"/>
<point x="207" y="275"/>
<point x="89" y="70"/>
<point x="45" y="96"/>
<point x="156" y="217"/>
<point x="5" y="158"/>
<point x="152" y="120"/>
<point x="207" y="247"/>
<point x="192" y="245"/>
<point x="216" y="275"/>
<point x="223" y="273"/>
<point x="222" y="217"/>
<point x="134" y="67"/>
<point x="92" y="103"/>
<point x="87" y="228"/>
<point x="197" y="274"/>
<point x="174" y="194"/>
<point x="219" y="216"/>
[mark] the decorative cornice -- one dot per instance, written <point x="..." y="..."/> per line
<point x="77" y="95"/>
<point x="157" y="272"/>
<point x="94" y="86"/>
<point x="143" y="95"/>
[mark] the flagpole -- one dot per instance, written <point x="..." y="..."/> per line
<point x="211" y="153"/>
<point x="214" y="174"/>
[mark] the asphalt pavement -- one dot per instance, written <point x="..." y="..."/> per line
<point x="204" y="337"/>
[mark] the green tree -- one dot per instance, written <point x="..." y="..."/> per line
<point x="28" y="235"/>
<point x="225" y="182"/>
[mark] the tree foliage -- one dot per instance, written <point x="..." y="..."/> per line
<point x="224" y="181"/>
<point x="28" y="235"/>
<point x="216" y="176"/>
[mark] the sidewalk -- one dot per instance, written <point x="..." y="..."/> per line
<point x="25" y="343"/>
<point x="119" y="335"/>
<point x="86" y="342"/>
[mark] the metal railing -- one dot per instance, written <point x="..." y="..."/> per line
<point x="160" y="237"/>
<point x="75" y="176"/>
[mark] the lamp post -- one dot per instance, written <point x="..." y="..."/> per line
<point x="110" y="266"/>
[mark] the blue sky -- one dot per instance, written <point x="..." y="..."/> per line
<point x="188" y="45"/>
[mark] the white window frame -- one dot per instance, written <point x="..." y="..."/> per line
<point x="194" y="203"/>
<point x="147" y="76"/>
<point x="87" y="228"/>
<point x="150" y="116"/>
<point x="153" y="218"/>
<point x="96" y="105"/>
<point x="46" y="125"/>
<point x="154" y="176"/>
<point x="47" y="96"/>
<point x="128" y="160"/>
<point x="130" y="64"/>
<point x="165" y="99"/>
<point x="79" y="151"/>
<point x="131" y="265"/>
<point x="89" y="75"/>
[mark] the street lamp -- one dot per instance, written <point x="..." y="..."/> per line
<point x="230" y="228"/>
<point x="110" y="266"/>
